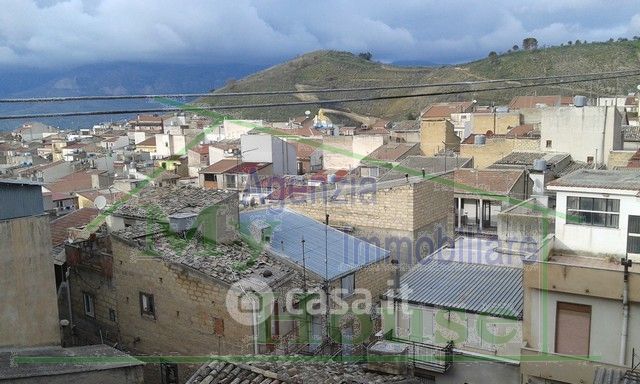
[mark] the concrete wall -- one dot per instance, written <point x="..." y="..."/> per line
<point x="606" y="321"/>
<point x="495" y="149"/>
<point x="580" y="131"/>
<point x="29" y="310"/>
<point x="498" y="123"/>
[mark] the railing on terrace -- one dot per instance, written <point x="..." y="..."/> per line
<point x="426" y="356"/>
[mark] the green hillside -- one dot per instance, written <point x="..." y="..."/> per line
<point x="331" y="69"/>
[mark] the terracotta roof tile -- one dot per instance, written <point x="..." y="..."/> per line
<point x="220" y="166"/>
<point x="75" y="219"/>
<point x="150" y="142"/>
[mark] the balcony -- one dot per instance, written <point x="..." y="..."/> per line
<point x="423" y="356"/>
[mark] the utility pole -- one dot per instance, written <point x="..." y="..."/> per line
<point x="304" y="269"/>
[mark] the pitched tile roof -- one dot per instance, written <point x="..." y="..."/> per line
<point x="247" y="167"/>
<point x="304" y="151"/>
<point x="494" y="181"/>
<point x="391" y="151"/>
<point x="520" y="102"/>
<point x="74" y="182"/>
<point x="150" y="142"/>
<point x="524" y="130"/>
<point x="220" y="166"/>
<point x="76" y="219"/>
<point x="446" y="109"/>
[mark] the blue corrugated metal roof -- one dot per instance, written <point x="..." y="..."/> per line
<point x="478" y="288"/>
<point x="345" y="253"/>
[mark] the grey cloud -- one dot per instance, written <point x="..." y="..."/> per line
<point x="46" y="33"/>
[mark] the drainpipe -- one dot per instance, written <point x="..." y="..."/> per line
<point x="625" y="311"/>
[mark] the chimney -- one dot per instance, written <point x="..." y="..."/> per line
<point x="396" y="277"/>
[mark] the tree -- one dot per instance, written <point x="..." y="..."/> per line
<point x="530" y="43"/>
<point x="569" y="42"/>
<point x="515" y="47"/>
<point x="611" y="40"/>
<point x="578" y="42"/>
<point x="365" y="55"/>
<point x="493" y="57"/>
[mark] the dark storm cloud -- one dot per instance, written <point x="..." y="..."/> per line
<point x="53" y="33"/>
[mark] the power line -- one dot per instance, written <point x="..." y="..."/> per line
<point x="302" y="103"/>
<point x="291" y="92"/>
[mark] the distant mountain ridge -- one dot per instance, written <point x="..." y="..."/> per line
<point x="333" y="69"/>
<point x="109" y="79"/>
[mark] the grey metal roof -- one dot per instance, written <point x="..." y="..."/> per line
<point x="605" y="179"/>
<point x="345" y="253"/>
<point x="527" y="158"/>
<point x="477" y="288"/>
<point x="20" y="199"/>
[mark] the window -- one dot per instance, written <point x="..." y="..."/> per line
<point x="112" y="314"/>
<point x="633" y="236"/>
<point x="589" y="159"/>
<point x="370" y="172"/>
<point x="593" y="211"/>
<point x="147" y="306"/>
<point x="169" y="373"/>
<point x="348" y="284"/>
<point x="549" y="143"/>
<point x="218" y="326"/>
<point x="230" y="181"/>
<point x="573" y="329"/>
<point x="89" y="308"/>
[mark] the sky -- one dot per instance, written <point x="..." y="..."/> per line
<point x="50" y="33"/>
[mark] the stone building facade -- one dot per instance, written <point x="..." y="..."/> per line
<point x="410" y="219"/>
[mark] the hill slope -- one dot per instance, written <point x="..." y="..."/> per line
<point x="331" y="69"/>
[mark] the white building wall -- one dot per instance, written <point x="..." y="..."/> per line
<point x="269" y="149"/>
<point x="581" y="131"/>
<point x="591" y="239"/>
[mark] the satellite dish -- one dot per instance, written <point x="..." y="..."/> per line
<point x="100" y="202"/>
<point x="307" y="113"/>
<point x="638" y="87"/>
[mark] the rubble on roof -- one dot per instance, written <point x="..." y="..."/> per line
<point x="171" y="199"/>
<point x="226" y="262"/>
<point x="271" y="372"/>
